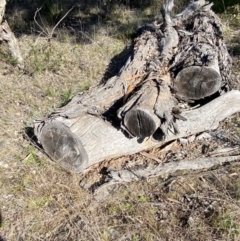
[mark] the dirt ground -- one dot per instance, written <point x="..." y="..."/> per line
<point x="40" y="201"/>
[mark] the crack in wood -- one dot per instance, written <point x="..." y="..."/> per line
<point x="167" y="71"/>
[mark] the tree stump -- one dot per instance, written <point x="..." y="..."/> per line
<point x="180" y="61"/>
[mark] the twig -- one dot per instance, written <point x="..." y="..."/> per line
<point x="90" y="38"/>
<point x="60" y="22"/>
<point x="39" y="9"/>
<point x="49" y="35"/>
<point x="143" y="153"/>
<point x="224" y="150"/>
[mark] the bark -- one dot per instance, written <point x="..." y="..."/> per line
<point x="100" y="140"/>
<point x="2" y="9"/>
<point x="7" y="35"/>
<point x="137" y="108"/>
<point x="182" y="59"/>
<point x="202" y="64"/>
<point x="103" y="189"/>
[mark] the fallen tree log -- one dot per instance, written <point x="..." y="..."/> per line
<point x="81" y="142"/>
<point x="170" y="64"/>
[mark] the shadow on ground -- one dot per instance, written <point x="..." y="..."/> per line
<point x="84" y="20"/>
<point x="1" y="239"/>
<point x="120" y="18"/>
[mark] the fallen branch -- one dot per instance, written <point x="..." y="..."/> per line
<point x="115" y="177"/>
<point x="7" y="35"/>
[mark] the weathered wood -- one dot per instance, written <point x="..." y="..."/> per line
<point x="191" y="57"/>
<point x="151" y="105"/>
<point x="202" y="65"/>
<point x="194" y="83"/>
<point x="138" y="113"/>
<point x="141" y="115"/>
<point x="114" y="177"/>
<point x="7" y="35"/>
<point x="2" y="9"/>
<point x="71" y="156"/>
<point x="143" y="98"/>
<point x="101" y="140"/>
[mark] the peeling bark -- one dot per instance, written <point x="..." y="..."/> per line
<point x="100" y="140"/>
<point x="182" y="59"/>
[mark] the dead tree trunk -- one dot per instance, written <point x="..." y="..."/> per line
<point x="170" y="64"/>
<point x="7" y="36"/>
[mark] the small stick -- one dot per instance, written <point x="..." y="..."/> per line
<point x="60" y="21"/>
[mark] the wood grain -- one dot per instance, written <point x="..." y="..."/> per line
<point x="183" y="58"/>
<point x="101" y="140"/>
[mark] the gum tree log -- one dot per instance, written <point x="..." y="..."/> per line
<point x="78" y="143"/>
<point x="142" y="112"/>
<point x="168" y="64"/>
<point x="202" y="64"/>
<point x="7" y="36"/>
<point x="192" y="52"/>
<point x="143" y="120"/>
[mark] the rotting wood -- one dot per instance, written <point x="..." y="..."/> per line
<point x="145" y="98"/>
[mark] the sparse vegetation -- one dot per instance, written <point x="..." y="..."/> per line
<point x="5" y="55"/>
<point x="40" y="201"/>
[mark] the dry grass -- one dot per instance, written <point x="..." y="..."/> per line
<point x="32" y="190"/>
<point x="40" y="201"/>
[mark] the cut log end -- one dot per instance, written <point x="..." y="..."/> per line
<point x="64" y="147"/>
<point x="141" y="123"/>
<point x="142" y="82"/>
<point x="196" y="82"/>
